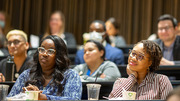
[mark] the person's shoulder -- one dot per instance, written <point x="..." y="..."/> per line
<point x="158" y="41"/>
<point x="178" y="38"/>
<point x="3" y="60"/>
<point x="25" y="73"/>
<point x="80" y="66"/>
<point x="67" y="34"/>
<point x="70" y="72"/>
<point x="161" y="77"/>
<point x="81" y="51"/>
<point x="109" y="63"/>
<point x="114" y="49"/>
<point x="119" y="37"/>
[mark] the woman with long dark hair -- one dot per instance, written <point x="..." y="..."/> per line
<point x="50" y="73"/>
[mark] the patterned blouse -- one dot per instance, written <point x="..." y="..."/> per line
<point x="72" y="89"/>
<point x="154" y="86"/>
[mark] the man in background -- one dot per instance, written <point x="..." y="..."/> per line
<point x="168" y="40"/>
<point x="17" y="47"/>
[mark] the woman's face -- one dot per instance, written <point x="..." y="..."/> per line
<point x="110" y="29"/>
<point x="92" y="53"/>
<point x="138" y="59"/>
<point x="55" y="22"/>
<point x="47" y="61"/>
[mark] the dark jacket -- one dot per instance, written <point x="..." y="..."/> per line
<point x="27" y="63"/>
<point x="176" y="48"/>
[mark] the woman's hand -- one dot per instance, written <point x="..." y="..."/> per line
<point x="2" y="78"/>
<point x="42" y="97"/>
<point x="129" y="71"/>
<point x="35" y="88"/>
<point x="31" y="87"/>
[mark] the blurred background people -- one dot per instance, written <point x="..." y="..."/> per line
<point x="95" y="65"/>
<point x="168" y="40"/>
<point x="143" y="60"/>
<point x="3" y="49"/>
<point x="56" y="26"/>
<point x="4" y="28"/>
<point x="174" y="95"/>
<point x="4" y="23"/>
<point x="152" y="37"/>
<point x="17" y="47"/>
<point x="50" y="73"/>
<point x="97" y="31"/>
<point x="112" y="29"/>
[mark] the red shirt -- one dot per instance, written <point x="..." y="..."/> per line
<point x="154" y="86"/>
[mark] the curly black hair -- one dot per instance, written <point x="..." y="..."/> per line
<point x="155" y="53"/>
<point x="61" y="65"/>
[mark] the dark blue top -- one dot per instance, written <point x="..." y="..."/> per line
<point x="112" y="54"/>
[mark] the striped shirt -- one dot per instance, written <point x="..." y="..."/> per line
<point x="154" y="86"/>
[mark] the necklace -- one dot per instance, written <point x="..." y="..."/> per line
<point x="47" y="78"/>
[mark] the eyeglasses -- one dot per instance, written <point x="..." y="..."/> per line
<point x="139" y="57"/>
<point x="41" y="50"/>
<point x="165" y="28"/>
<point x="15" y="42"/>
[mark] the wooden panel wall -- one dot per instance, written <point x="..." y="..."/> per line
<point x="137" y="18"/>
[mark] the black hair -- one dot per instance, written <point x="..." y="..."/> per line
<point x="114" y="22"/>
<point x="61" y="65"/>
<point x="99" y="46"/>
<point x="168" y="17"/>
<point x="155" y="53"/>
<point x="101" y="22"/>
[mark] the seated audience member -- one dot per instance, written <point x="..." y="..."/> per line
<point x="56" y="26"/>
<point x="4" y="23"/>
<point x="3" y="49"/>
<point x="174" y="95"/>
<point x="4" y="28"/>
<point x="50" y="73"/>
<point x="17" y="47"/>
<point x="95" y="64"/>
<point x="98" y="33"/>
<point x="112" y="29"/>
<point x="143" y="60"/>
<point x="168" y="40"/>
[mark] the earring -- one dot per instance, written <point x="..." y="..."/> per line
<point x="148" y="70"/>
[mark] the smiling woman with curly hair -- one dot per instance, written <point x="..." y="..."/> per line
<point x="143" y="60"/>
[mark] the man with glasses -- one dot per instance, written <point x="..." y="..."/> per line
<point x="168" y="40"/>
<point x="17" y="46"/>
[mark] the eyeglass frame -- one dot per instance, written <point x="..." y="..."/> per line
<point x="165" y="28"/>
<point x="130" y="52"/>
<point x="15" y="42"/>
<point x="46" y="51"/>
